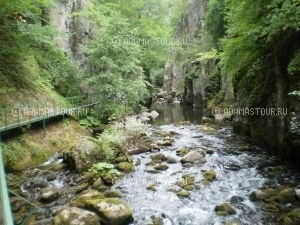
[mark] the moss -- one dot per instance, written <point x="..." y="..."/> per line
<point x="34" y="146"/>
<point x="183" y="193"/>
<point x="126" y="167"/>
<point x="209" y="175"/>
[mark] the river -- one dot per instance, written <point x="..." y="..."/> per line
<point x="240" y="167"/>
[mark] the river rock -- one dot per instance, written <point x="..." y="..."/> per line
<point x="159" y="156"/>
<point x="194" y="157"/>
<point x="157" y="220"/>
<point x="164" y="143"/>
<point x="209" y="175"/>
<point x="39" y="183"/>
<point x="284" y="196"/>
<point x="51" y="176"/>
<point x="207" y="129"/>
<point x="151" y="115"/>
<point x="224" y="209"/>
<point x="236" y="199"/>
<point x="112" y="194"/>
<point x="187" y="182"/>
<point x="126" y="167"/>
<point x="112" y="211"/>
<point x="49" y="194"/>
<point x="182" y="152"/>
<point x="83" y="155"/>
<point x="85" y="196"/>
<point x="183" y="193"/>
<point x="152" y="187"/>
<point x="99" y="185"/>
<point x="122" y="158"/>
<point x="258" y="196"/>
<point x="171" y="160"/>
<point x="76" y="216"/>
<point x="161" y="166"/>
<point x="291" y="218"/>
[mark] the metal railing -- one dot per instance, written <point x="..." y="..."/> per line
<point x="14" y="117"/>
<point x="5" y="210"/>
<point x="10" y="119"/>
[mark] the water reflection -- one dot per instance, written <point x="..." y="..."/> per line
<point x="175" y="113"/>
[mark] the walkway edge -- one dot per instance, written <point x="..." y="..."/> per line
<point x="7" y="215"/>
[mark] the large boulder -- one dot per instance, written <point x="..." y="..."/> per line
<point x="49" y="194"/>
<point x="85" y="196"/>
<point x="225" y="209"/>
<point x="112" y="211"/>
<point x="76" y="216"/>
<point x="194" y="157"/>
<point x="126" y="167"/>
<point x="83" y="155"/>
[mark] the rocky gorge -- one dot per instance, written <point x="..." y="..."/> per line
<point x="185" y="173"/>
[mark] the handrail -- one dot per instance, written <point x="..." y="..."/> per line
<point x="10" y="119"/>
<point x="5" y="209"/>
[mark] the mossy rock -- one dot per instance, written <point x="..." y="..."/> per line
<point x="112" y="211"/>
<point x="157" y="220"/>
<point x="112" y="194"/>
<point x="183" y="193"/>
<point x="99" y="185"/>
<point x="287" y="195"/>
<point x="126" y="167"/>
<point x="182" y="152"/>
<point x="122" y="158"/>
<point x="225" y="207"/>
<point x="188" y="179"/>
<point x="73" y="215"/>
<point x="152" y="187"/>
<point x="159" y="156"/>
<point x="188" y="187"/>
<point x="292" y="218"/>
<point x="85" y="196"/>
<point x="210" y="175"/>
<point x="161" y="167"/>
<point x="171" y="160"/>
<point x="272" y="206"/>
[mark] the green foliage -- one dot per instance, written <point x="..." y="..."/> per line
<point x="294" y="66"/>
<point x="30" y="57"/>
<point x="111" y="140"/>
<point x="258" y="33"/>
<point x="202" y="56"/>
<point x="215" y="19"/>
<point x="116" y="67"/>
<point x="89" y="121"/>
<point x="104" y="169"/>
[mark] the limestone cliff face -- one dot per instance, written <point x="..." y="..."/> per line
<point x="191" y="23"/>
<point x="73" y="29"/>
<point x="280" y="133"/>
<point x="182" y="74"/>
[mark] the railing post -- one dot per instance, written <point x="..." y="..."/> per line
<point x="5" y="118"/>
<point x="6" y="213"/>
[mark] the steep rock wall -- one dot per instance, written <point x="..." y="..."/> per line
<point x="74" y="30"/>
<point x="183" y="75"/>
<point x="280" y="133"/>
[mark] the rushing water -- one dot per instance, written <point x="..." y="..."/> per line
<point x="241" y="168"/>
<point x="198" y="208"/>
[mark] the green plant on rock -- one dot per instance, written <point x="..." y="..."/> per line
<point x="110" y="141"/>
<point x="104" y="169"/>
<point x="90" y="121"/>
